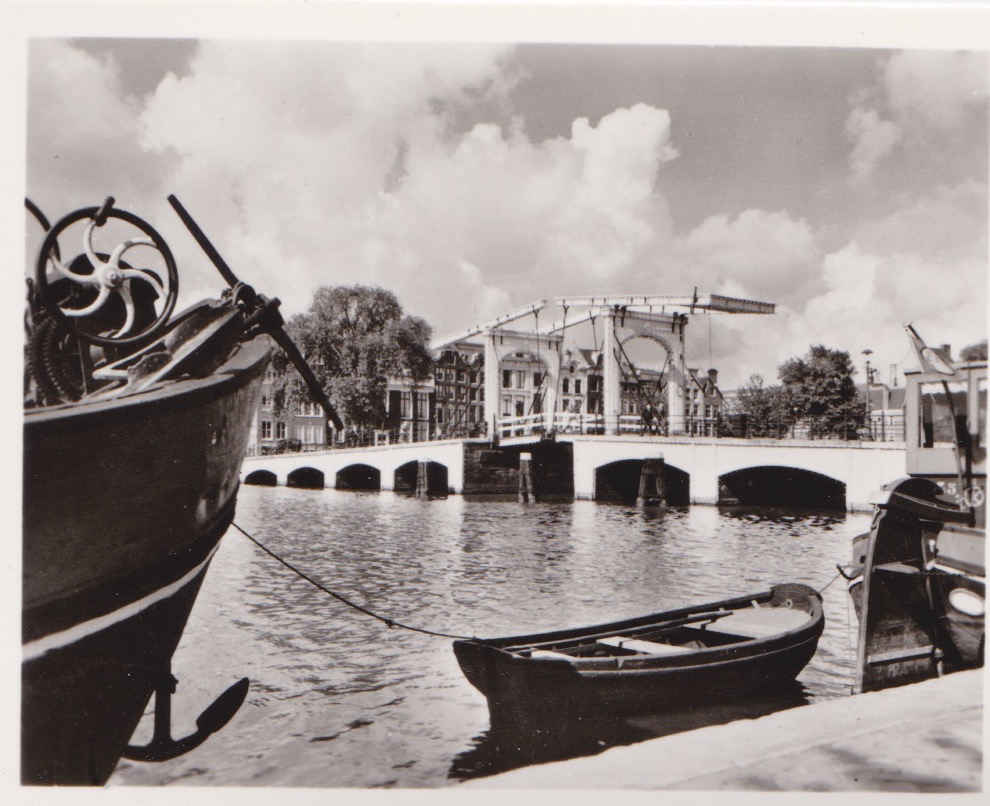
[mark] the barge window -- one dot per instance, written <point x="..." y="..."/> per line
<point x="981" y="397"/>
<point x="936" y="414"/>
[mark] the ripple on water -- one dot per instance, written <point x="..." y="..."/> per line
<point x="339" y="699"/>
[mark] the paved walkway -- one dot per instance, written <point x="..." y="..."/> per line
<point x="927" y="737"/>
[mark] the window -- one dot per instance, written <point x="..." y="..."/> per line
<point x="266" y="429"/>
<point x="981" y="396"/>
<point x="506" y="406"/>
<point x="936" y="415"/>
<point x="279" y="430"/>
<point x="405" y="405"/>
<point x="577" y="386"/>
<point x="265" y="401"/>
<point x="506" y="379"/>
<point x="422" y="405"/>
<point x="537" y="379"/>
<point x="439" y="415"/>
<point x="520" y="379"/>
<point x="565" y="385"/>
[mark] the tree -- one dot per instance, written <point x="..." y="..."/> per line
<point x="820" y="388"/>
<point x="766" y="408"/>
<point x="354" y="338"/>
<point x="975" y="352"/>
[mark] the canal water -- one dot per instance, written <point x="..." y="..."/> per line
<point x="338" y="699"/>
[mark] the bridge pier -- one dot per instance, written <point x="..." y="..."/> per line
<point x="651" y="492"/>
<point x="422" y="479"/>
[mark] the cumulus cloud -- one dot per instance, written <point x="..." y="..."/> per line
<point x="83" y="141"/>
<point x="318" y="163"/>
<point x="919" y="98"/>
<point x="872" y="138"/>
<point x="356" y="171"/>
<point x="940" y="88"/>
<point x="924" y="262"/>
<point x="767" y="255"/>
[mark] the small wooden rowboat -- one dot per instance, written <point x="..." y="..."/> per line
<point x="652" y="662"/>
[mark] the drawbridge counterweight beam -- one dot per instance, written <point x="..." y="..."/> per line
<point x="710" y="302"/>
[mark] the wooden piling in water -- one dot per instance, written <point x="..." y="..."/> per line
<point x="525" y="478"/>
<point x="422" y="480"/>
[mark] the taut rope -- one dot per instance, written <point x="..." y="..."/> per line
<point x="387" y="621"/>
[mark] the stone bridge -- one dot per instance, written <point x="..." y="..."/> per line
<point x="701" y="470"/>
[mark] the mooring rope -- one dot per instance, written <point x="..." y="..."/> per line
<point x="387" y="621"/>
<point x="837" y="575"/>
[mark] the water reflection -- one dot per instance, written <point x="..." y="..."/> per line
<point x="509" y="743"/>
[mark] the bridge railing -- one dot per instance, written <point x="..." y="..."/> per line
<point x="521" y="426"/>
<point x="888" y="428"/>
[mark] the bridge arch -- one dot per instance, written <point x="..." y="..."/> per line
<point x="263" y="478"/>
<point x="358" y="477"/>
<point x="780" y="485"/>
<point x="654" y="337"/>
<point x="619" y="481"/>
<point x="406" y="477"/>
<point x="306" y="477"/>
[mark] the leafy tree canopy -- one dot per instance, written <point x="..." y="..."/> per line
<point x="354" y="338"/>
<point x="820" y="388"/>
<point x="767" y="408"/>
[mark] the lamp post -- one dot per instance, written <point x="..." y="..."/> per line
<point x="868" y="422"/>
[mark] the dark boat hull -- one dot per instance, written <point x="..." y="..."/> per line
<point x="520" y="689"/>
<point x="124" y="504"/>
<point x="913" y="576"/>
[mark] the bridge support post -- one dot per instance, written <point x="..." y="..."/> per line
<point x="422" y="479"/>
<point x="526" y="479"/>
<point x="678" y="382"/>
<point x="492" y="383"/>
<point x="612" y="392"/>
<point x="651" y="492"/>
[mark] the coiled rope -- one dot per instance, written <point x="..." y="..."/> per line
<point x="389" y="622"/>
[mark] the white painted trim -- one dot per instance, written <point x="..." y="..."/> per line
<point x="56" y="640"/>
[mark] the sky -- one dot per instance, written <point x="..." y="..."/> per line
<point x="848" y="186"/>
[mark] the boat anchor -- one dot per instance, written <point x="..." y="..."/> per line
<point x="162" y="746"/>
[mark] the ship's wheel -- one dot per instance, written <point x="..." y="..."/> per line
<point x="99" y="296"/>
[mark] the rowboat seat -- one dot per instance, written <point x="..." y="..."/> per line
<point x="759" y="622"/>
<point x="638" y="645"/>
<point x="549" y="654"/>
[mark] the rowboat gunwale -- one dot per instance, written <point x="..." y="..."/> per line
<point x="745" y="649"/>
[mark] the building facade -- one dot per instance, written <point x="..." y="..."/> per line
<point x="459" y="383"/>
<point x="303" y="429"/>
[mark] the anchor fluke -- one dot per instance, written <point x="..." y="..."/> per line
<point x="222" y="709"/>
<point x="163" y="747"/>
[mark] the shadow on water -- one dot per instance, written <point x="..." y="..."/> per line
<point x="509" y="745"/>
<point x="772" y="514"/>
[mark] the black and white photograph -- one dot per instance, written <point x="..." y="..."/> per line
<point x="444" y="398"/>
